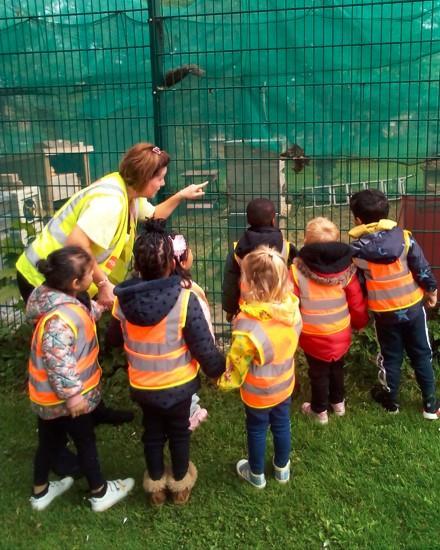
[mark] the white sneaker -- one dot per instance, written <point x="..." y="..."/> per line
<point x="116" y="491"/>
<point x="282" y="475"/>
<point x="55" y="489"/>
<point x="244" y="471"/>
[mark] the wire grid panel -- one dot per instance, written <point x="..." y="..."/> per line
<point x="344" y="92"/>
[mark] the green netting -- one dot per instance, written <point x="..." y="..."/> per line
<point x="338" y="78"/>
<point x="225" y="86"/>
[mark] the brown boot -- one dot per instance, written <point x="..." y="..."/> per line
<point x="156" y="489"/>
<point x="181" y="490"/>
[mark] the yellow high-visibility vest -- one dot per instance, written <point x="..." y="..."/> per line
<point x="113" y="261"/>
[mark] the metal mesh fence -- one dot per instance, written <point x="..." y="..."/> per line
<point x="301" y="102"/>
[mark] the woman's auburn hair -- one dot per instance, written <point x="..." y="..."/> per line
<point x="141" y="163"/>
<point x="265" y="276"/>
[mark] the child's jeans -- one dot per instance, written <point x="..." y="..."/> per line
<point x="326" y="382"/>
<point x="257" y="423"/>
<point x="52" y="437"/>
<point x="394" y="340"/>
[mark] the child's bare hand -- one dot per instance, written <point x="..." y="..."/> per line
<point x="431" y="299"/>
<point x="106" y="296"/>
<point x="79" y="408"/>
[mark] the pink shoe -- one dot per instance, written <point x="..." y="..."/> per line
<point x="338" y="408"/>
<point x="320" y="418"/>
<point x="199" y="416"/>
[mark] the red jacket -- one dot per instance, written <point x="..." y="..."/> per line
<point x="330" y="263"/>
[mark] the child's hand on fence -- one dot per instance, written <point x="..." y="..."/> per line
<point x="431" y="298"/>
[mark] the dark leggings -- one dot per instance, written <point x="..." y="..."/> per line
<point x="52" y="437"/>
<point x="326" y="381"/>
<point x="161" y="425"/>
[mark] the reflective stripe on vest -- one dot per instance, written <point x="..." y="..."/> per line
<point x="86" y="354"/>
<point x="272" y="379"/>
<point x="157" y="355"/>
<point x="55" y="233"/>
<point x="390" y="286"/>
<point x="324" y="308"/>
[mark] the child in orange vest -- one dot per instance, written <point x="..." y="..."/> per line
<point x="166" y="338"/>
<point x="261" y="361"/>
<point x="184" y="259"/>
<point x="399" y="282"/>
<point x="64" y="378"/>
<point x="331" y="304"/>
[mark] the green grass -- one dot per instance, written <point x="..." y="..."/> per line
<point x="368" y="480"/>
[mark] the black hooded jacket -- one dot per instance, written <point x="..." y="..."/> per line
<point x="146" y="303"/>
<point x="251" y="239"/>
<point x="329" y="257"/>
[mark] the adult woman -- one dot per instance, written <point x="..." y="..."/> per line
<point x="102" y="220"/>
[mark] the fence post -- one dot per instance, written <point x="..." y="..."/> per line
<point x="156" y="49"/>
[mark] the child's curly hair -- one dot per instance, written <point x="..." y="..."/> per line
<point x="153" y="250"/>
<point x="265" y="276"/>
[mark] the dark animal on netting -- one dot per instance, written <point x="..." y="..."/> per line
<point x="296" y="153"/>
<point x="174" y="76"/>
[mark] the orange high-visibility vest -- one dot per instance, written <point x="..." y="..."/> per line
<point x="390" y="286"/>
<point x="86" y="354"/>
<point x="157" y="355"/>
<point x="271" y="379"/>
<point x="324" y="309"/>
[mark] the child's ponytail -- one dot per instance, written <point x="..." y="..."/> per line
<point x="63" y="266"/>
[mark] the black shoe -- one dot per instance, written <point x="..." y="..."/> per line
<point x="382" y="396"/>
<point x="66" y="464"/>
<point x="105" y="415"/>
